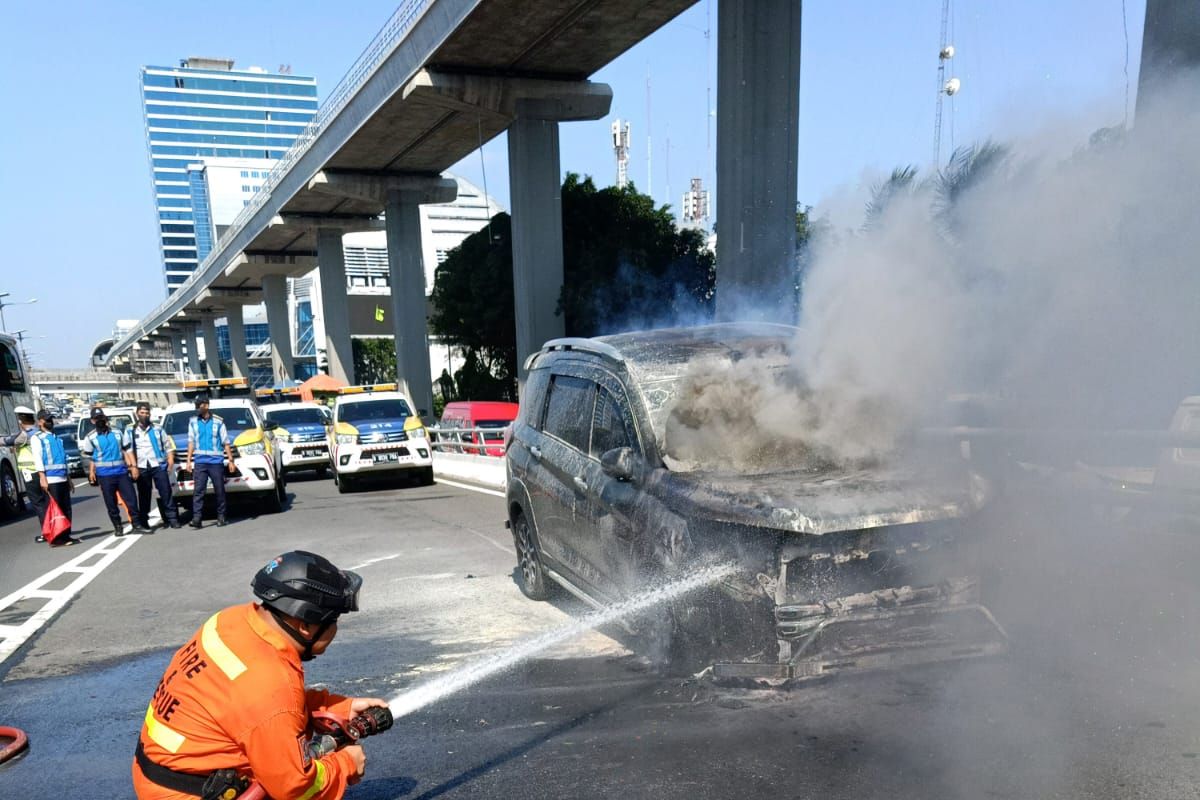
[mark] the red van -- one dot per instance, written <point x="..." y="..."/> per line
<point x="477" y="414"/>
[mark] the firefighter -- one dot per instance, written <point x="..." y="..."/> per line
<point x="20" y="440"/>
<point x="232" y="707"/>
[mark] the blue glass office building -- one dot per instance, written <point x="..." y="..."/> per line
<point x="204" y="108"/>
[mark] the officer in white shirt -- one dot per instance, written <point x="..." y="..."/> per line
<point x="153" y="464"/>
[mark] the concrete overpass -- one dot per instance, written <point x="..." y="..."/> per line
<point x="159" y="392"/>
<point x="441" y="78"/>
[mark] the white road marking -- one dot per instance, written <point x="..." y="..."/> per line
<point x="13" y="636"/>
<point x="371" y="561"/>
<point x="468" y="486"/>
<point x="81" y="483"/>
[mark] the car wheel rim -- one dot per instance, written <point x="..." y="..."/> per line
<point x="10" y="491"/>
<point x="528" y="565"/>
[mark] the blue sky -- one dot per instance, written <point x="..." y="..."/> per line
<point x="76" y="210"/>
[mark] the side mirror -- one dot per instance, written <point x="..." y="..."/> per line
<point x="623" y="464"/>
<point x="270" y="425"/>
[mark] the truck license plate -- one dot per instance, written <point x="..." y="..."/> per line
<point x="385" y="458"/>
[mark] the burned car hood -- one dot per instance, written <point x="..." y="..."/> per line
<point x="824" y="502"/>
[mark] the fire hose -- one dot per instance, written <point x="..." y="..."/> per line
<point x="330" y="733"/>
<point x="20" y="742"/>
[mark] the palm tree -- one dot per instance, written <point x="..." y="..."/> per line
<point x="968" y="167"/>
<point x="902" y="182"/>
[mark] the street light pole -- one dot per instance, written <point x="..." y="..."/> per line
<point x="3" y="324"/>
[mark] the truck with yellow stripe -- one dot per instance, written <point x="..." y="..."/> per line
<point x="375" y="432"/>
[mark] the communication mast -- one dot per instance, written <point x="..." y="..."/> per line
<point x="695" y="204"/>
<point x="945" y="88"/>
<point x="620" y="136"/>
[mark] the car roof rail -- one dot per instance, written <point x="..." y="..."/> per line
<point x="577" y="344"/>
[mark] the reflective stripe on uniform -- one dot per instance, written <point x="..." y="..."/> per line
<point x="163" y="736"/>
<point x="218" y="651"/>
<point x="318" y="782"/>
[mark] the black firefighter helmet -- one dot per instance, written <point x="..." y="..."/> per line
<point x="307" y="586"/>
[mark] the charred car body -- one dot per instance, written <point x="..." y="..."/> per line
<point x="838" y="568"/>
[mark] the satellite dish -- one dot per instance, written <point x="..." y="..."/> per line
<point x="947" y="52"/>
<point x="952" y="86"/>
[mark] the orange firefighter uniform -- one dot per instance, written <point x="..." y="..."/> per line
<point x="233" y="698"/>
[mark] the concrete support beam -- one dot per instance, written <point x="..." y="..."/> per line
<point x="279" y="325"/>
<point x="406" y="274"/>
<point x="508" y="98"/>
<point x="758" y="109"/>
<point x="212" y="358"/>
<point x="331" y="263"/>
<point x="193" y="351"/>
<point x="236" y="326"/>
<point x="535" y="181"/>
<point x="1170" y="46"/>
<point x="376" y="187"/>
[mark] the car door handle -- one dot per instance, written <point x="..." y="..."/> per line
<point x="581" y="484"/>
<point x="535" y="451"/>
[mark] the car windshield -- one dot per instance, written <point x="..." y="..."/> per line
<point x="297" y="416"/>
<point x="236" y="419"/>
<point x="176" y="423"/>
<point x="496" y="424"/>
<point x="118" y="422"/>
<point x="369" y="410"/>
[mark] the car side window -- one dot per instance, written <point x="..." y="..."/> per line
<point x="569" y="410"/>
<point x="610" y="425"/>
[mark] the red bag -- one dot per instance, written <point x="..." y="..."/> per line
<point x="55" y="522"/>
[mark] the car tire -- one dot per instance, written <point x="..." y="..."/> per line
<point x="322" y="472"/>
<point x="271" y="502"/>
<point x="425" y="477"/>
<point x="344" y="484"/>
<point x="531" y="574"/>
<point x="10" y="495"/>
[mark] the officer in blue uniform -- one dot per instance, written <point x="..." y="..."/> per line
<point x="109" y="467"/>
<point x="50" y="464"/>
<point x="154" y="462"/>
<point x="208" y="450"/>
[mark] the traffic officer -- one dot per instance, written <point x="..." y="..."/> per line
<point x="153" y="464"/>
<point x="50" y="463"/>
<point x="208" y="449"/>
<point x="109" y="464"/>
<point x="232" y="706"/>
<point x="26" y="428"/>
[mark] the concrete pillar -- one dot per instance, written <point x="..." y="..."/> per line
<point x="177" y="351"/>
<point x="238" y="359"/>
<point x="331" y="264"/>
<point x="758" y="109"/>
<point x="1170" y="45"/>
<point x="193" y="352"/>
<point x="406" y="271"/>
<point x="212" y="356"/>
<point x="279" y="325"/>
<point x="535" y="189"/>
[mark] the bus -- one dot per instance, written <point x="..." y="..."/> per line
<point x="15" y="390"/>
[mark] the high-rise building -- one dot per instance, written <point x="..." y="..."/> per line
<point x="695" y="204"/>
<point x="204" y="109"/>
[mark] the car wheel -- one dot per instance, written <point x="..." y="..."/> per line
<point x="425" y="477"/>
<point x="10" y="496"/>
<point x="344" y="484"/>
<point x="322" y="472"/>
<point x="531" y="575"/>
<point x="281" y="492"/>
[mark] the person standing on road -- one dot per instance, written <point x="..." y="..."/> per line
<point x="27" y="428"/>
<point x="108" y="466"/>
<point x="208" y="449"/>
<point x="231" y="706"/>
<point x="153" y="464"/>
<point x="50" y="465"/>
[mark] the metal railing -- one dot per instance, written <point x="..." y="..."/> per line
<point x="469" y="441"/>
<point x="388" y="38"/>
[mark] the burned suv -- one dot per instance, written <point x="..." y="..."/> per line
<point x="622" y="472"/>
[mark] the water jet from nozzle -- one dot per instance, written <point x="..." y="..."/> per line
<point x="472" y="673"/>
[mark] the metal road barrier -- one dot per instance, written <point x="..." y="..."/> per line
<point x="469" y="441"/>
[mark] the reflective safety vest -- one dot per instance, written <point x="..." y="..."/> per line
<point x="54" y="455"/>
<point x="207" y="438"/>
<point x="25" y="453"/>
<point x="106" y="451"/>
<point x="233" y="697"/>
<point x="157" y="440"/>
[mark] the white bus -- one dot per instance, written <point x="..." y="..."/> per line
<point x="15" y="390"/>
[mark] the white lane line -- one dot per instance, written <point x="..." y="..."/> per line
<point x="81" y="483"/>
<point x="371" y="561"/>
<point x="13" y="636"/>
<point x="468" y="486"/>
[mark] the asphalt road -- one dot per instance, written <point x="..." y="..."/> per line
<point x="1099" y="698"/>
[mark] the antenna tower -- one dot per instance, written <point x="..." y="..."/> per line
<point x="945" y="88"/>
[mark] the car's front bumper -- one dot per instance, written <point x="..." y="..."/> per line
<point x="356" y="459"/>
<point x="304" y="455"/>
<point x="254" y="474"/>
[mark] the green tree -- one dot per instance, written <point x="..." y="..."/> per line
<point x="374" y="359"/>
<point x="625" y="267"/>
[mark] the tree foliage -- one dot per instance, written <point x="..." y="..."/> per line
<point x="625" y="266"/>
<point x="374" y="360"/>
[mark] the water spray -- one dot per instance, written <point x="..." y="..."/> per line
<point x="472" y="673"/>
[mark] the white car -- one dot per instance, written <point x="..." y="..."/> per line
<point x="375" y="432"/>
<point x="302" y="435"/>
<point x="257" y="457"/>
